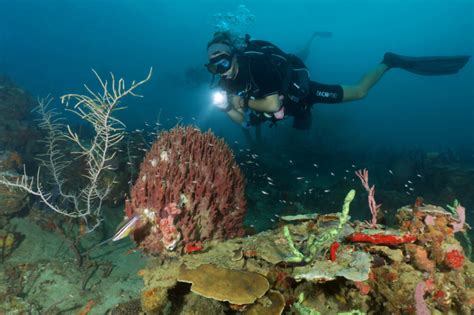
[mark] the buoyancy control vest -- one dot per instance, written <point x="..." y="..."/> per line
<point x="292" y="70"/>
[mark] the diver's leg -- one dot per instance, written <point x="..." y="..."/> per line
<point x="360" y="90"/>
<point x="304" y="53"/>
<point x="431" y="65"/>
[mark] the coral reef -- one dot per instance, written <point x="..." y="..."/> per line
<point x="189" y="190"/>
<point x="316" y="244"/>
<point x="17" y="131"/>
<point x="388" y="271"/>
<point x="222" y="284"/>
<point x="84" y="201"/>
<point x="11" y="200"/>
<point x="272" y="303"/>
<point x="194" y="304"/>
<point x="436" y="244"/>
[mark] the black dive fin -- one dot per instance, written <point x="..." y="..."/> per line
<point x="431" y="65"/>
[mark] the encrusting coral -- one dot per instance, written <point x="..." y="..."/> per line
<point x="222" y="284"/>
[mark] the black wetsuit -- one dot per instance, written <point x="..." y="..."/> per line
<point x="258" y="76"/>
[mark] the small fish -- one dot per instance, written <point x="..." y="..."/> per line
<point x="390" y="171"/>
<point x="264" y="192"/>
<point x="299" y="178"/>
<point x="419" y="175"/>
<point x="125" y="229"/>
<point x="411" y="189"/>
<point x="347" y="171"/>
<point x="353" y="166"/>
<point x="406" y="185"/>
<point x="291" y="161"/>
<point x="409" y="182"/>
<point x="269" y="178"/>
<point x="315" y="165"/>
<point x="327" y="190"/>
<point x="272" y="220"/>
<point x="332" y="174"/>
<point x="271" y="184"/>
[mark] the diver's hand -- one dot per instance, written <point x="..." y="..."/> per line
<point x="237" y="102"/>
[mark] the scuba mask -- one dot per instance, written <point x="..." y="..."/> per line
<point x="219" y="64"/>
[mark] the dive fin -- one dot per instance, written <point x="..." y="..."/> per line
<point x="430" y="65"/>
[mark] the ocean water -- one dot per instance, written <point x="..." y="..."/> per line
<point x="414" y="133"/>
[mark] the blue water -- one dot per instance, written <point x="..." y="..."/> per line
<point x="50" y="47"/>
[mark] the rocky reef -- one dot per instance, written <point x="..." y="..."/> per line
<point x="18" y="132"/>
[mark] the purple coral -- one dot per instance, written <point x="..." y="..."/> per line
<point x="461" y="211"/>
<point x="420" y="304"/>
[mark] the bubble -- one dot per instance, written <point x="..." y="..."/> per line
<point x="236" y="23"/>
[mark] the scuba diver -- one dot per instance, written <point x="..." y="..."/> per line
<point x="261" y="83"/>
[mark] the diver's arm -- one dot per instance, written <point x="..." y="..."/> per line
<point x="360" y="90"/>
<point x="268" y="104"/>
<point x="236" y="115"/>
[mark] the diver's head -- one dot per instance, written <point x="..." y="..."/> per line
<point x="220" y="53"/>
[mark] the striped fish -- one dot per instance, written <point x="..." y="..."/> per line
<point x="125" y="229"/>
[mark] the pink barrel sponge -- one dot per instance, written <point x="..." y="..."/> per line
<point x="189" y="190"/>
